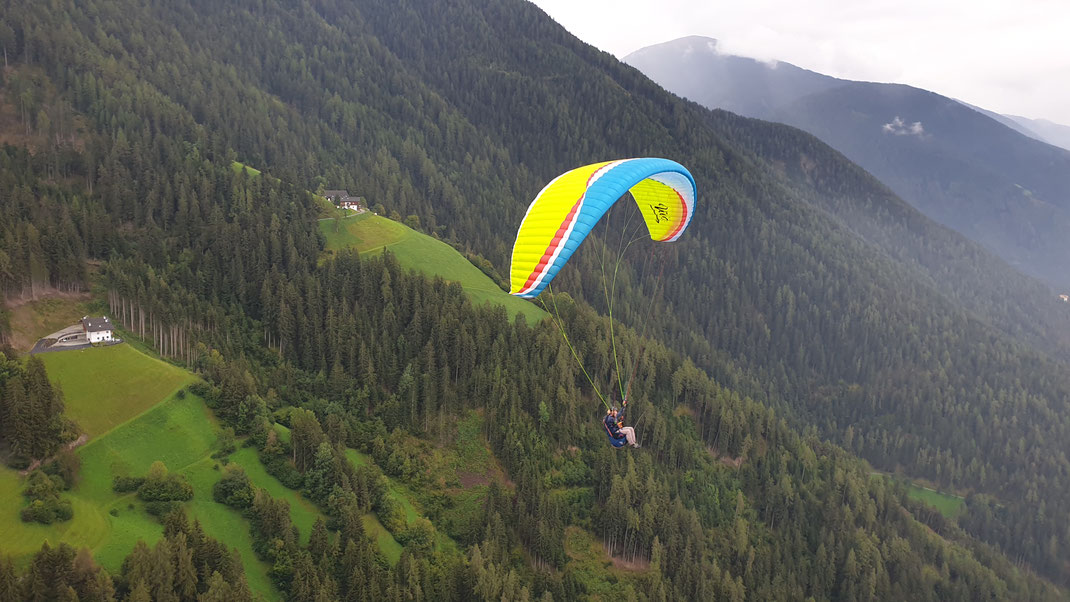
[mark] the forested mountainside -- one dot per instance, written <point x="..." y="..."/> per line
<point x="958" y="268"/>
<point x="997" y="186"/>
<point x="458" y="114"/>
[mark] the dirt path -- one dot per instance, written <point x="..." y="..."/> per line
<point x="80" y="441"/>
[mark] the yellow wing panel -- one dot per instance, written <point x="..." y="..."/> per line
<point x="662" y="208"/>
<point x="547" y="223"/>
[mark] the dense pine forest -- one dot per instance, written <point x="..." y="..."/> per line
<point x="808" y="318"/>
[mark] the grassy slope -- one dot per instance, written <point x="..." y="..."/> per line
<point x="375" y="529"/>
<point x="237" y="166"/>
<point x="303" y="513"/>
<point x="465" y="469"/>
<point x="948" y="505"/>
<point x="106" y="386"/>
<point x="389" y="546"/>
<point x="405" y="497"/>
<point x="368" y="233"/>
<point x="179" y="432"/>
<point x="226" y="525"/>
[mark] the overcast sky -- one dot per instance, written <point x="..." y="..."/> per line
<point x="1009" y="56"/>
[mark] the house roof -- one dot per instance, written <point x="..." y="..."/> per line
<point x="96" y="324"/>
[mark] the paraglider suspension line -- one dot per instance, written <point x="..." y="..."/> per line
<point x="611" y="291"/>
<point x="560" y="327"/>
<point x="646" y="324"/>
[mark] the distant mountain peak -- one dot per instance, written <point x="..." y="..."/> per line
<point x="959" y="164"/>
<point x="747" y="86"/>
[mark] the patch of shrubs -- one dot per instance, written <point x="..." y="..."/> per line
<point x="159" y="486"/>
<point x="126" y="484"/>
<point x="234" y="489"/>
<point x="225" y="443"/>
<point x="280" y="467"/>
<point x="419" y="536"/>
<point x="162" y="492"/>
<point x="46" y="506"/>
<point x="160" y="509"/>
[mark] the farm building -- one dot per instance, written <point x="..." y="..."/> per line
<point x="336" y="195"/>
<point x="343" y="200"/>
<point x="97" y="329"/>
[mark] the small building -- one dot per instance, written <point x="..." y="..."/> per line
<point x="356" y="203"/>
<point x="342" y="199"/>
<point x="336" y="195"/>
<point x="97" y="329"/>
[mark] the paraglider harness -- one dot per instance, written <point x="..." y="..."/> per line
<point x="617" y="441"/>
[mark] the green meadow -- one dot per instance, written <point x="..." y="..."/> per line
<point x="226" y="524"/>
<point x="135" y="417"/>
<point x="949" y="505"/>
<point x="178" y="432"/>
<point x="106" y="386"/>
<point x="238" y="166"/>
<point x="303" y="513"/>
<point x="389" y="546"/>
<point x="368" y="233"/>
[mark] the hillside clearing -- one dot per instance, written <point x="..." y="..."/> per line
<point x="106" y="386"/>
<point x="369" y="233"/>
<point x="603" y="577"/>
<point x="227" y="525"/>
<point x="303" y="513"/>
<point x="948" y="504"/>
<point x="389" y="546"/>
<point x="238" y="166"/>
<point x="177" y="431"/>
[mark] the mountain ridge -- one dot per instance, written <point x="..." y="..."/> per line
<point x="1004" y="189"/>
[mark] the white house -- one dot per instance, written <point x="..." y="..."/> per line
<point x="342" y="199"/>
<point x="97" y="329"/>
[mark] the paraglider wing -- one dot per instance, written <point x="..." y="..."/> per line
<point x="566" y="210"/>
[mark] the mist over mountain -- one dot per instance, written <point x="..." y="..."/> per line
<point x="982" y="175"/>
<point x="695" y="68"/>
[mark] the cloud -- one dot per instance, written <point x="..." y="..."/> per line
<point x="901" y="128"/>
<point x="1015" y="59"/>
